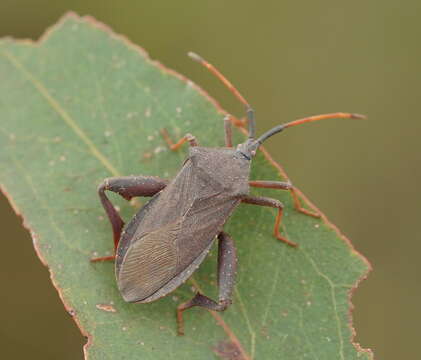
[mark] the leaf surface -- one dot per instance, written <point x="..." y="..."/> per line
<point x="84" y="104"/>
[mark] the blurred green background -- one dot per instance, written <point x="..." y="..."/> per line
<point x="289" y="59"/>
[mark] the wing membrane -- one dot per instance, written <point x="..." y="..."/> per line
<point x="149" y="263"/>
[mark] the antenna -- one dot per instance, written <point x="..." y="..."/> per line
<point x="279" y="128"/>
<point x="250" y="112"/>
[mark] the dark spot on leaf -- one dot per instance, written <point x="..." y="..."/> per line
<point x="147" y="156"/>
<point x="228" y="350"/>
<point x="264" y="331"/>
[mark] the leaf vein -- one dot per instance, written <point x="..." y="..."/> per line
<point x="249" y="327"/>
<point x="335" y="308"/>
<point x="62" y="112"/>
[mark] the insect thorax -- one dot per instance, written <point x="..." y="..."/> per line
<point x="223" y="166"/>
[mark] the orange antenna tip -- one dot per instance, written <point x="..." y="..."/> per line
<point x="358" y="116"/>
<point x="195" y="57"/>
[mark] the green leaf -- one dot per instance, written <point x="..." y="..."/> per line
<point x="84" y="104"/>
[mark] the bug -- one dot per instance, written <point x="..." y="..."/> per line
<point x="170" y="236"/>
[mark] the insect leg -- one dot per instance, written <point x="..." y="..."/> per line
<point x="227" y="267"/>
<point x="228" y="131"/>
<point x="264" y="201"/>
<point x="127" y="187"/>
<point x="299" y="207"/>
<point x="284" y="186"/>
<point x="186" y="138"/>
<point x="271" y="184"/>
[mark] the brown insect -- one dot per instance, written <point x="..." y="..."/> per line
<point x="170" y="236"/>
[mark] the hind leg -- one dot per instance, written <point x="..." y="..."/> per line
<point x="227" y="267"/>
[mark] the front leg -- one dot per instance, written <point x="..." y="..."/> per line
<point x="227" y="267"/>
<point x="127" y="187"/>
<point x="228" y="131"/>
<point x="264" y="201"/>
<point x="284" y="186"/>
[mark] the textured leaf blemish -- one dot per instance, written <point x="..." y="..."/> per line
<point x="228" y="351"/>
<point x="106" y="307"/>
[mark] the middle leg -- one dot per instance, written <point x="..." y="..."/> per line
<point x="264" y="201"/>
<point x="174" y="147"/>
